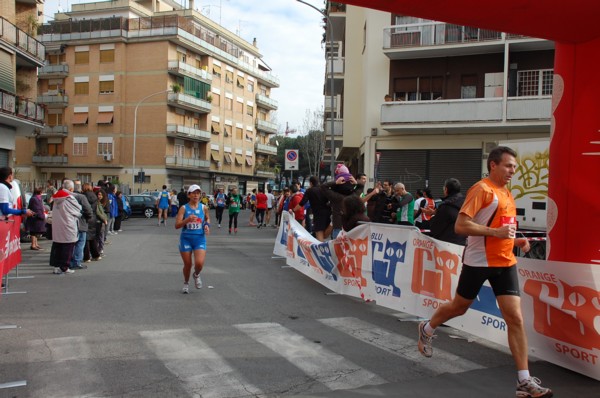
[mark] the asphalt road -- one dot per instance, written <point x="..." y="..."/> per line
<point x="122" y="328"/>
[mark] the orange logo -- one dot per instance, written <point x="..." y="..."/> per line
<point x="351" y="253"/>
<point x="433" y="273"/>
<point x="566" y="314"/>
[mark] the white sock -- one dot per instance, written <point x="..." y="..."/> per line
<point x="428" y="329"/>
<point x="523" y="375"/>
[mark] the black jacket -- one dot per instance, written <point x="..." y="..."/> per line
<point x="442" y="224"/>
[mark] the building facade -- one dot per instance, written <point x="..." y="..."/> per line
<point x="148" y="93"/>
<point x="454" y="93"/>
<point x="20" y="56"/>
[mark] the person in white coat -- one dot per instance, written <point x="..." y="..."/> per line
<point x="65" y="232"/>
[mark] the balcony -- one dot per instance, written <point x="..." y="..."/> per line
<point x="338" y="128"/>
<point x="182" y="69"/>
<point x="23" y="115"/>
<point x="53" y="71"/>
<point x="265" y="102"/>
<point x="52" y="99"/>
<point x="265" y="171"/>
<point x="179" y="131"/>
<point x="54" y="131"/>
<point x="265" y="149"/>
<point x="440" y="39"/>
<point x="29" y="51"/>
<point x="50" y="159"/>
<point x="186" y="163"/>
<point x="266" y="126"/>
<point x="525" y="112"/>
<point x="189" y="103"/>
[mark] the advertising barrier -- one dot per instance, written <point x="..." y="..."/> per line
<point x="400" y="268"/>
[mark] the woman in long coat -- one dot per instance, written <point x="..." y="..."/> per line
<point x="36" y="224"/>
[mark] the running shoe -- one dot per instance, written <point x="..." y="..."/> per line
<point x="197" y="281"/>
<point x="425" y="341"/>
<point x="235" y="230"/>
<point x="531" y="388"/>
<point x="219" y="225"/>
<point x="186" y="288"/>
<point x="229" y="231"/>
<point x="57" y="271"/>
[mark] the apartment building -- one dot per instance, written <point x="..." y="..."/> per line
<point x="20" y="56"/>
<point x="455" y="92"/>
<point x="147" y="93"/>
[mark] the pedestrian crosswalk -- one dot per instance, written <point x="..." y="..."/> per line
<point x="205" y="363"/>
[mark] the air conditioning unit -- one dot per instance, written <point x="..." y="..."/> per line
<point x="108" y="157"/>
<point x="487" y="148"/>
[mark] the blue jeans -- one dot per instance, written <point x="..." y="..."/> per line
<point x="77" y="257"/>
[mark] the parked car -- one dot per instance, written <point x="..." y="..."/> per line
<point x="144" y="205"/>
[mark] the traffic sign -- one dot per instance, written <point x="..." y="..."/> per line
<point x="291" y="159"/>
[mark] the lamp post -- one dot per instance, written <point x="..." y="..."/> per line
<point x="135" y="134"/>
<point x="331" y="85"/>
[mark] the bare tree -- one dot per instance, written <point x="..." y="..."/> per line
<point x="312" y="143"/>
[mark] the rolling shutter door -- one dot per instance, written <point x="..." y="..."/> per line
<point x="462" y="164"/>
<point x="406" y="166"/>
<point x="419" y="168"/>
<point x="3" y="158"/>
<point x="7" y="72"/>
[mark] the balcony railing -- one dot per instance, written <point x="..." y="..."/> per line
<point x="25" y="44"/>
<point x="55" y="131"/>
<point x="265" y="172"/>
<point x="265" y="102"/>
<point x="50" y="159"/>
<point x="53" y="71"/>
<point x="21" y="108"/>
<point x="181" y="68"/>
<point x="435" y="34"/>
<point x="53" y="101"/>
<point x="266" y="126"/>
<point x="189" y="102"/>
<point x="266" y="149"/>
<point x="178" y="161"/>
<point x="461" y="111"/>
<point x="188" y="132"/>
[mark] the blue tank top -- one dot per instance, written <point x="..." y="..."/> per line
<point x="195" y="228"/>
<point x="163" y="199"/>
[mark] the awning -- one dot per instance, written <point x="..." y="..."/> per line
<point x="240" y="81"/>
<point x="216" y="70"/>
<point x="80" y="118"/>
<point x="228" y="158"/>
<point x="215" y="156"/>
<point x="248" y="135"/>
<point x="249" y="161"/>
<point x="239" y="160"/>
<point x="105" y="118"/>
<point x="216" y="128"/>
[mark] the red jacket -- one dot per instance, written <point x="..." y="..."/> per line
<point x="294" y="201"/>
<point x="261" y="201"/>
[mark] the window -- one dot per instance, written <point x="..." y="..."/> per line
<point x="80" y="118"/>
<point x="107" y="87"/>
<point x="80" y="146"/>
<point x="196" y="152"/>
<point x="468" y="86"/>
<point x="250" y="110"/>
<point x="240" y="82"/>
<point x="216" y="71"/>
<point x="84" y="177"/>
<point x="239" y="133"/>
<point x="239" y="107"/>
<point x="55" y="149"/>
<point x="107" y="55"/>
<point x="105" y="118"/>
<point x="215" y="128"/>
<point x="82" y="57"/>
<point x="229" y="104"/>
<point x="535" y="82"/>
<point x="179" y="150"/>
<point x="105" y="146"/>
<point x="216" y="99"/>
<point x="228" y="77"/>
<point x="250" y="87"/>
<point x="55" y="119"/>
<point x="82" y="88"/>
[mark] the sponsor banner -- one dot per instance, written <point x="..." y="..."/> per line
<point x="402" y="269"/>
<point x="10" y="234"/>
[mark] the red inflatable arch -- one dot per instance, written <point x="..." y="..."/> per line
<point x="574" y="192"/>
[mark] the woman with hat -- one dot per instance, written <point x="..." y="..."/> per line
<point x="193" y="218"/>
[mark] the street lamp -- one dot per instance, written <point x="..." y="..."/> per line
<point x="135" y="133"/>
<point x="331" y="86"/>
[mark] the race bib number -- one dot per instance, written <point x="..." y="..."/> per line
<point x="194" y="225"/>
<point x="234" y="205"/>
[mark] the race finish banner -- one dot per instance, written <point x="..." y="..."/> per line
<point x="400" y="268"/>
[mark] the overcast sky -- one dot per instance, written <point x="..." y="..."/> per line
<point x="288" y="36"/>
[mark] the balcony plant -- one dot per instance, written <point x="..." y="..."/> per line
<point x="209" y="98"/>
<point x="176" y="88"/>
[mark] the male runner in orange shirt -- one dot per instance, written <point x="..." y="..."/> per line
<point x="488" y="217"/>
